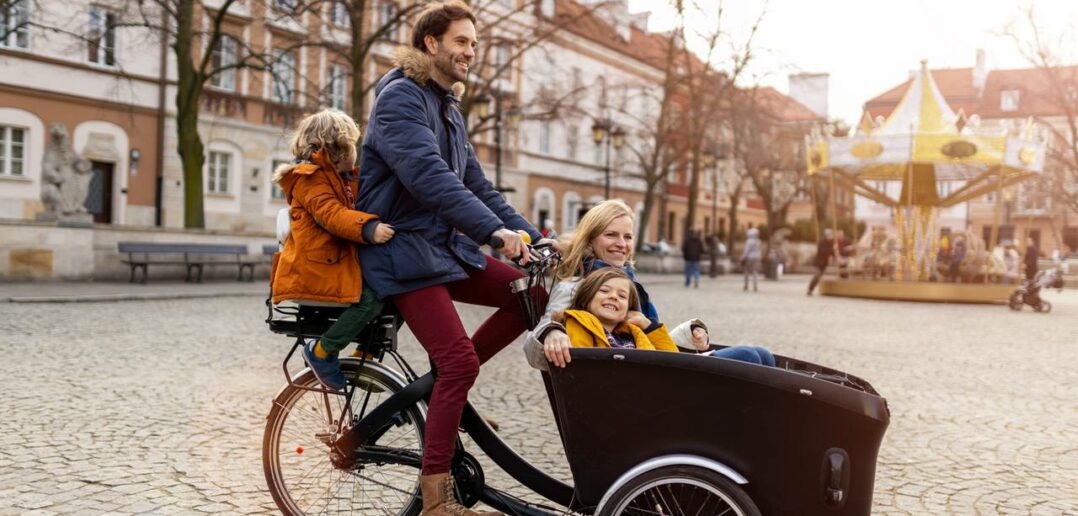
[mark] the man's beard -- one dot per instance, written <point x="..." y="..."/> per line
<point x="445" y="62"/>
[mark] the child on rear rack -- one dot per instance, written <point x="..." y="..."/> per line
<point x="320" y="262"/>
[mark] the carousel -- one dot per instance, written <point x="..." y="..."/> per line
<point x="921" y="144"/>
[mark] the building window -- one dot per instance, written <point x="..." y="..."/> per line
<point x="275" y="189"/>
<point x="12" y="151"/>
<point x="1008" y="100"/>
<point x="338" y="13"/>
<point x="15" y="24"/>
<point x="502" y="55"/>
<point x="337" y="86"/>
<point x="546" y="7"/>
<point x="284" y="77"/>
<point x="101" y="39"/>
<point x="544" y="137"/>
<point x="224" y="55"/>
<point x="387" y="13"/>
<point x="217" y="172"/>
<point x="286" y="6"/>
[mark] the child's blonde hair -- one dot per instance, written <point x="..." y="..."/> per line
<point x="329" y="129"/>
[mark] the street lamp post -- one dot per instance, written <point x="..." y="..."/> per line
<point x="605" y="131"/>
<point x="512" y="118"/>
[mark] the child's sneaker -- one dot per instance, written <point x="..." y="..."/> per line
<point x="326" y="370"/>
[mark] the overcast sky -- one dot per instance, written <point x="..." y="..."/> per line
<point x="869" y="46"/>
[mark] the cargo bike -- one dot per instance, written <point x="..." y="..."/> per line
<point x="644" y="432"/>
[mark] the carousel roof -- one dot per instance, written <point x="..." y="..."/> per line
<point x="923" y="137"/>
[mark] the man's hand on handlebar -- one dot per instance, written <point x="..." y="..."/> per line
<point x="512" y="245"/>
<point x="556" y="348"/>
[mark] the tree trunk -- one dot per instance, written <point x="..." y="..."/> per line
<point x="189" y="89"/>
<point x="358" y="58"/>
<point x="694" y="189"/>
<point x="731" y="213"/>
<point x="645" y="215"/>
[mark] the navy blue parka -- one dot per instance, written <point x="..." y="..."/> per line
<point x="419" y="173"/>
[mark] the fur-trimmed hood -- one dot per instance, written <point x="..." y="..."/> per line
<point x="317" y="161"/>
<point x="283" y="170"/>
<point x="416" y="65"/>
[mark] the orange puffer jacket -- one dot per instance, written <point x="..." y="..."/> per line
<point x="319" y="261"/>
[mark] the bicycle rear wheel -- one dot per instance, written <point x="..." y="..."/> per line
<point x="295" y="456"/>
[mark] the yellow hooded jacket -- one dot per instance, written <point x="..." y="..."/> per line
<point x="585" y="331"/>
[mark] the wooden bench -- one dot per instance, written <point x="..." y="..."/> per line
<point x="193" y="256"/>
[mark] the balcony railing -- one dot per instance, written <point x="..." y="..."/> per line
<point x="223" y="103"/>
<point x="281" y="115"/>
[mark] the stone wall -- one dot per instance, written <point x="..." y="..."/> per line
<point x="51" y="251"/>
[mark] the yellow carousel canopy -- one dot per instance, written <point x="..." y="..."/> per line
<point x="924" y="136"/>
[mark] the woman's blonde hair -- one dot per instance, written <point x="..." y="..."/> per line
<point x="591" y="226"/>
<point x="329" y="129"/>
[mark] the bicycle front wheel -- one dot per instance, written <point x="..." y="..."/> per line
<point x="295" y="453"/>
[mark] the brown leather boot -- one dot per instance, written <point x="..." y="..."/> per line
<point x="440" y="500"/>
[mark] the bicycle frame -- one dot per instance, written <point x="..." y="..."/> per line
<point x="349" y="448"/>
<point x="358" y="443"/>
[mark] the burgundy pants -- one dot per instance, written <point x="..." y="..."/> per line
<point x="433" y="319"/>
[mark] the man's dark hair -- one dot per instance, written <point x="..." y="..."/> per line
<point x="434" y="20"/>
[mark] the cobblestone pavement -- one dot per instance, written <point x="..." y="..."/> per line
<point x="159" y="406"/>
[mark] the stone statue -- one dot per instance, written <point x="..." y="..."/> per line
<point x="65" y="179"/>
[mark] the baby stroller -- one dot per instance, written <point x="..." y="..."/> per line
<point x="1030" y="291"/>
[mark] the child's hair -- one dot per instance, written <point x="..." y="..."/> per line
<point x="329" y="129"/>
<point x="591" y="225"/>
<point x="589" y="287"/>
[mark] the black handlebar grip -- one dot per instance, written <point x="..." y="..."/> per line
<point x="496" y="242"/>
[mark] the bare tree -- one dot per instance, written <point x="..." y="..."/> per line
<point x="1058" y="90"/>
<point x="768" y="150"/>
<point x="506" y="35"/>
<point x="195" y="29"/>
<point x="706" y="87"/>
<point x="352" y="30"/>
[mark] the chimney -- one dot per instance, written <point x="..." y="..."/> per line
<point x="810" y="89"/>
<point x="980" y="72"/>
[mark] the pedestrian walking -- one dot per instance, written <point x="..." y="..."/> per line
<point x="1010" y="265"/>
<point x="825" y="249"/>
<point x="1032" y="254"/>
<point x="958" y="254"/>
<point x="692" y="250"/>
<point x="750" y="257"/>
<point x="548" y="229"/>
<point x="422" y="175"/>
<point x="712" y="244"/>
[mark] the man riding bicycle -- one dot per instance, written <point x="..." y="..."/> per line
<point x="420" y="173"/>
